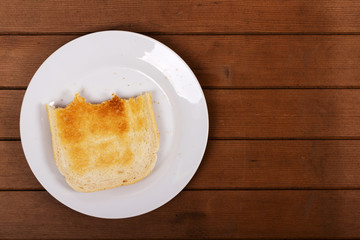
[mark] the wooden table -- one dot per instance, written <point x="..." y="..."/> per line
<point x="282" y="82"/>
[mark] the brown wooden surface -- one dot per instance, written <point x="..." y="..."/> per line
<point x="282" y="83"/>
<point x="238" y="164"/>
<point x="192" y="215"/>
<point x="227" y="61"/>
<point x="189" y="16"/>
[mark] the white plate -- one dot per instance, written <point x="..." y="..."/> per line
<point x="128" y="64"/>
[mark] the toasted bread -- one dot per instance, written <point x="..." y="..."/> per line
<point x="106" y="145"/>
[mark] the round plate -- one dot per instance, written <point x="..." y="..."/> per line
<point x="127" y="64"/>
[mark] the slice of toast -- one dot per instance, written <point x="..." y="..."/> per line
<point x="106" y="145"/>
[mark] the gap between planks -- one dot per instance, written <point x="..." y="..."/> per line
<point x="357" y="138"/>
<point x="239" y="88"/>
<point x="184" y="33"/>
<point x="222" y="189"/>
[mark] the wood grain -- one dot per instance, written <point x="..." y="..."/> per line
<point x="192" y="215"/>
<point x="252" y="114"/>
<point x="22" y="56"/>
<point x="10" y="104"/>
<point x="243" y="164"/>
<point x="284" y="113"/>
<point x="190" y="16"/>
<point x="249" y="61"/>
<point x="15" y="173"/>
<point x="289" y="164"/>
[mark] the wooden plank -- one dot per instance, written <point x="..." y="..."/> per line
<point x="22" y="56"/>
<point x="284" y="113"/>
<point x="288" y="164"/>
<point x="252" y="114"/>
<point x="275" y="16"/>
<point x="243" y="164"/>
<point x="15" y="173"/>
<point x="192" y="215"/>
<point x="10" y="104"/>
<point x="257" y="61"/>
